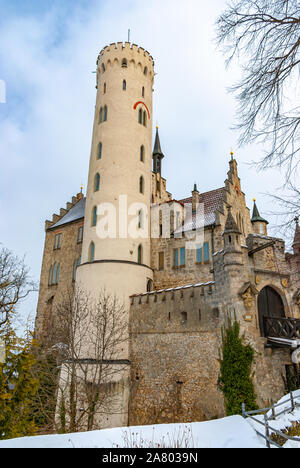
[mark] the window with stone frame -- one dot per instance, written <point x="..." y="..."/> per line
<point x="57" y="241"/>
<point x="161" y="261"/>
<point x="80" y="235"/>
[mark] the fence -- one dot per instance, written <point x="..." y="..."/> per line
<point x="272" y="410"/>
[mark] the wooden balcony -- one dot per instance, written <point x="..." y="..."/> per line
<point x="278" y="327"/>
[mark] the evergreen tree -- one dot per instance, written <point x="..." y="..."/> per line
<point x="18" y="386"/>
<point x="235" y="380"/>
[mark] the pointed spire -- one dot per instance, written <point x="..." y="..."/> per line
<point x="157" y="154"/>
<point x="296" y="243"/>
<point x="230" y="225"/>
<point x="256" y="216"/>
<point x="157" y="148"/>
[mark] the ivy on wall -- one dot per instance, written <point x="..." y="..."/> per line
<point x="235" y="366"/>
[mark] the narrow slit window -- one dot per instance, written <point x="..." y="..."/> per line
<point x="92" y="252"/>
<point x="99" y="151"/>
<point x="94" y="216"/>
<point x="141" y="184"/>
<point x="97" y="183"/>
<point x="142" y="154"/>
<point x="140" y="254"/>
<point x="124" y="85"/>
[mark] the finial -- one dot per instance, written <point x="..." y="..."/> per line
<point x="254" y="199"/>
<point x="297" y="220"/>
<point x="231" y="154"/>
<point x="81" y="188"/>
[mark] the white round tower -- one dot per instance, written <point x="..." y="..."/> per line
<point x="116" y="256"/>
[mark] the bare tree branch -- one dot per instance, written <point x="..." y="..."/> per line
<point x="264" y="35"/>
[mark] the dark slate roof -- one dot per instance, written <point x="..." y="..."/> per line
<point x="75" y="213"/>
<point x="256" y="216"/>
<point x="157" y="146"/>
<point x="211" y="201"/>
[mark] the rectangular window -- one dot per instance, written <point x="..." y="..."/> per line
<point x="206" y="252"/>
<point x="182" y="256"/>
<point x="179" y="257"/>
<point x="80" y="235"/>
<point x="199" y="255"/>
<point x="161" y="261"/>
<point x="57" y="241"/>
<point x="176" y="258"/>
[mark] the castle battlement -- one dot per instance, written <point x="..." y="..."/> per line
<point x="171" y="294"/>
<point x="117" y="51"/>
<point x="63" y="211"/>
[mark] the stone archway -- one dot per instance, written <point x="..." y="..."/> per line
<point x="270" y="304"/>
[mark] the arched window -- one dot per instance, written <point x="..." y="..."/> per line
<point x="124" y="85"/>
<point x="94" y="216"/>
<point x="124" y="63"/>
<point x="105" y="113"/>
<point x="141" y="184"/>
<point x="142" y="153"/>
<point x="97" y="183"/>
<point x="145" y="71"/>
<point x="99" y="155"/>
<point x="141" y="116"/>
<point x="140" y="254"/>
<point x="149" y="285"/>
<point x="143" y="91"/>
<point x="104" y="88"/>
<point x="92" y="252"/>
<point x="145" y="119"/>
<point x="140" y="220"/>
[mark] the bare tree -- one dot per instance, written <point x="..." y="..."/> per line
<point x="15" y="284"/>
<point x="265" y="37"/>
<point x="90" y="341"/>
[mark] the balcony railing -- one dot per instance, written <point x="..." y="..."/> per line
<point x="277" y="327"/>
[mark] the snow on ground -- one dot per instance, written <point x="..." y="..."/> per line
<point x="230" y="432"/>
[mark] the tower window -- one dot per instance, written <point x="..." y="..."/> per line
<point x="99" y="155"/>
<point x="97" y="183"/>
<point x="124" y="63"/>
<point x="142" y="153"/>
<point x="141" y="116"/>
<point x="101" y="116"/>
<point x="143" y="91"/>
<point x="140" y="220"/>
<point x="94" y="216"/>
<point x="103" y="68"/>
<point x="104" y="88"/>
<point x="141" y="184"/>
<point x="145" y="71"/>
<point x="92" y="252"/>
<point x="124" y="85"/>
<point x="145" y="119"/>
<point x="140" y="254"/>
<point x="105" y="113"/>
<point x="149" y="285"/>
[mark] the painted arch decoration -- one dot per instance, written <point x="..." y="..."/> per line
<point x="143" y="104"/>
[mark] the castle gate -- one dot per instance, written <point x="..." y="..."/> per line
<point x="270" y="304"/>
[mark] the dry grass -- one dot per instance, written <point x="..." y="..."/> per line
<point x="181" y="437"/>
<point x="292" y="431"/>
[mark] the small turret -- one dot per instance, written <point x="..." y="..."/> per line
<point x="157" y="154"/>
<point x="231" y="234"/>
<point x="259" y="224"/>
<point x="296" y="243"/>
<point x="195" y="198"/>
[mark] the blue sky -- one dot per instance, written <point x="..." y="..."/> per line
<point x="48" y="51"/>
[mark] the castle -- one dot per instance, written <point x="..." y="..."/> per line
<point x="176" y="298"/>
